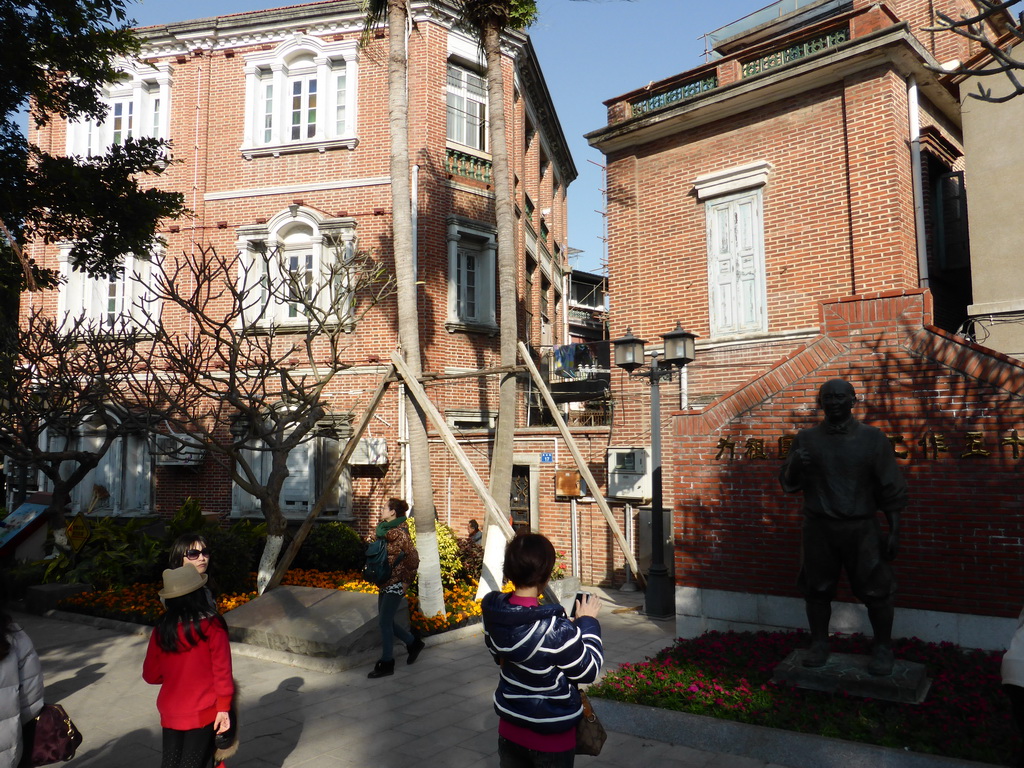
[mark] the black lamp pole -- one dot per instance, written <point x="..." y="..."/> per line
<point x="659" y="600"/>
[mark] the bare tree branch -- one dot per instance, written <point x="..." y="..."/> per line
<point x="245" y="375"/>
<point x="978" y="28"/>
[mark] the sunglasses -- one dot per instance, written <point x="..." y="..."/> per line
<point x="194" y="554"/>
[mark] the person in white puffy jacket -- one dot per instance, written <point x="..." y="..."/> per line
<point x="1013" y="680"/>
<point x="21" y="688"/>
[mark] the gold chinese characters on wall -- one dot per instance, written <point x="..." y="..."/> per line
<point x="931" y="446"/>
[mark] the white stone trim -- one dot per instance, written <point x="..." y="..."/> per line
<point x="699" y="610"/>
<point x="291" y="189"/>
<point x="733" y="179"/>
<point x="996" y="307"/>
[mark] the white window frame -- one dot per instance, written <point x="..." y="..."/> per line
<point x="736" y="266"/>
<point x="737" y="279"/>
<point x="297" y="238"/>
<point x="125" y="471"/>
<point x="330" y="69"/>
<point x="470" y="240"/>
<point x="309" y="465"/>
<point x="459" y="120"/>
<point x="110" y="303"/>
<point x="138" y="105"/>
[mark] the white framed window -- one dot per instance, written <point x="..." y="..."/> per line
<point x="301" y="96"/>
<point x="120" y="484"/>
<point x="467" y="107"/>
<point x="472" y="258"/>
<point x="138" y="105"/>
<point x="127" y="299"/>
<point x="736" y="267"/>
<point x="734" y="205"/>
<point x="309" y="467"/>
<point x="295" y="263"/>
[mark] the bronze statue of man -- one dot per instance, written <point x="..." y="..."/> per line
<point x="848" y="473"/>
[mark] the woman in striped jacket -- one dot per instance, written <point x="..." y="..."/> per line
<point x="544" y="657"/>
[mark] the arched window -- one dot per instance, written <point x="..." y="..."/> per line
<point x="138" y="104"/>
<point x="295" y="263"/>
<point x="125" y="300"/>
<point x="301" y="96"/>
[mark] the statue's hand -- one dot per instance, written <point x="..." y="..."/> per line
<point x="890" y="546"/>
<point x="803" y="456"/>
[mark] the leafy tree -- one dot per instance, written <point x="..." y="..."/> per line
<point x="57" y="54"/>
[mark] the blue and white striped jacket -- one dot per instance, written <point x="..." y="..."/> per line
<point x="544" y="657"/>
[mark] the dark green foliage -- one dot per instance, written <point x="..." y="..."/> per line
<point x="472" y="557"/>
<point x="728" y="675"/>
<point x="21" y="576"/>
<point x="59" y="53"/>
<point x="234" y="552"/>
<point x="118" y="553"/>
<point x="332" y="547"/>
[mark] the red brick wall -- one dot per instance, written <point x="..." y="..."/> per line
<point x="961" y="547"/>
<point x="206" y="126"/>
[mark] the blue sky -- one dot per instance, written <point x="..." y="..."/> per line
<point x="589" y="52"/>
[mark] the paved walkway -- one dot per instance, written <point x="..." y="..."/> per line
<point x="436" y="713"/>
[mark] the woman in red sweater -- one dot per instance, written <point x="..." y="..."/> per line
<point x="189" y="657"/>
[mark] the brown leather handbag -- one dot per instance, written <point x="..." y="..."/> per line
<point x="590" y="734"/>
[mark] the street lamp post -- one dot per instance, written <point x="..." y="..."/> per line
<point x="659" y="600"/>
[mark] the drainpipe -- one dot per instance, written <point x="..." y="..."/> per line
<point x="415" y="206"/>
<point x="915" y="169"/>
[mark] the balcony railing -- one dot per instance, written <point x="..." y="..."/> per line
<point x="469" y="166"/>
<point x="675" y="95"/>
<point x="796" y="52"/>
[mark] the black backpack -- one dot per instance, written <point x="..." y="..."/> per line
<point x="377" y="569"/>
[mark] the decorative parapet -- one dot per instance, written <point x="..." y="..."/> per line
<point x="470" y="166"/>
<point x="795" y="52"/>
<point x="683" y="92"/>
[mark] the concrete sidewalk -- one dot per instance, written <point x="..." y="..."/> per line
<point x="437" y="713"/>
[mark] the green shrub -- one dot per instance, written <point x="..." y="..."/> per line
<point x="448" y="552"/>
<point x="234" y="555"/>
<point x="332" y="547"/>
<point x="472" y="556"/>
<point x="234" y="551"/>
<point x="117" y="554"/>
<point x="20" y="576"/>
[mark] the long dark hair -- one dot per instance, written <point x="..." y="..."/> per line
<point x="180" y="628"/>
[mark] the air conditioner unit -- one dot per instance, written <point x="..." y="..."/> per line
<point x="370" y="452"/>
<point x="170" y="452"/>
<point x="629" y="473"/>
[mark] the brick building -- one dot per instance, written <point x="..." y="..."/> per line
<point x="816" y="162"/>
<point x="279" y="126"/>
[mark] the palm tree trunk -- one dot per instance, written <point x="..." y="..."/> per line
<point x="501" y="459"/>
<point x="430" y="591"/>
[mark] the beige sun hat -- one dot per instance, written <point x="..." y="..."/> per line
<point x="181" y="581"/>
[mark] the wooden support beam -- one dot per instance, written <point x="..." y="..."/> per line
<point x="346" y="454"/>
<point x="574" y="449"/>
<point x="415" y="389"/>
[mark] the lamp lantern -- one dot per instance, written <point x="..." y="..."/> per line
<point x="680" y="346"/>
<point x="629" y="352"/>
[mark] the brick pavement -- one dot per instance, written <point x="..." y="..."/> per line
<point x="436" y="713"/>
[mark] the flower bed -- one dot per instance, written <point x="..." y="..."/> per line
<point x="139" y="603"/>
<point x="728" y="675"/>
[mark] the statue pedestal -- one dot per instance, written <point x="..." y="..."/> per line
<point x="908" y="683"/>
